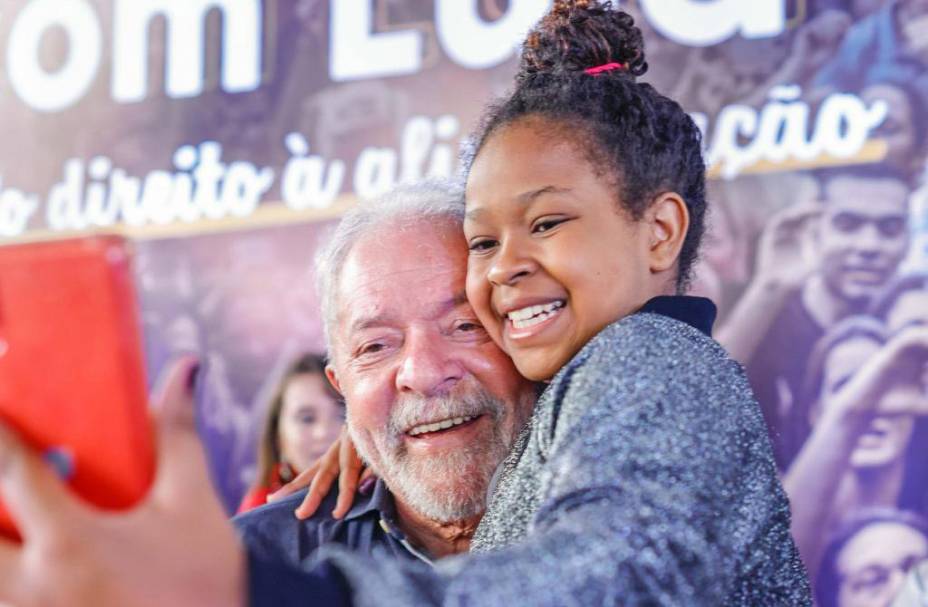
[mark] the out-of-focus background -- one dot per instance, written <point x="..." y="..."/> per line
<point x="224" y="137"/>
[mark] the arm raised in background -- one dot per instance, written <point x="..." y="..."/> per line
<point x="784" y="262"/>
<point x="821" y="464"/>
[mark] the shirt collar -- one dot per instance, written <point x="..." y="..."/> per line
<point x="698" y="312"/>
<point x="380" y="501"/>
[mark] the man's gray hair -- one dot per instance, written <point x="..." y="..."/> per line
<point x="403" y="206"/>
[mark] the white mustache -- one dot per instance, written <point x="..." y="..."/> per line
<point x="411" y="411"/>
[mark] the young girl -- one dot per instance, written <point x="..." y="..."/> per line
<point x="303" y="418"/>
<point x="645" y="475"/>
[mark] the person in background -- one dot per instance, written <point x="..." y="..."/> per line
<point x="816" y="265"/>
<point x="904" y="303"/>
<point x="889" y="44"/>
<point x="904" y="128"/>
<point x="303" y="418"/>
<point x="869" y="420"/>
<point x="914" y="590"/>
<point x="868" y="558"/>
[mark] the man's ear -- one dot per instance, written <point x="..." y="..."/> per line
<point x="332" y="376"/>
<point x="668" y="221"/>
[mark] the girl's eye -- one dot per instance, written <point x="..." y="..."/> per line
<point x="481" y="245"/>
<point x="546" y="224"/>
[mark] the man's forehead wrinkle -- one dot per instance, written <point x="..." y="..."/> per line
<point x="370" y="283"/>
<point x="366" y="307"/>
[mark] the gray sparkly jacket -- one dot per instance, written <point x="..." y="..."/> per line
<point x="644" y="478"/>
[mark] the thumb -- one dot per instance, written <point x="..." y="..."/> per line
<point x="183" y="471"/>
<point x="36" y="499"/>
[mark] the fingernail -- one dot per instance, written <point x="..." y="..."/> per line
<point x="367" y="485"/>
<point x="61" y="460"/>
<point x="192" y="378"/>
<point x="6" y="447"/>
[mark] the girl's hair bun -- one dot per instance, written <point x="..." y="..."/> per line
<point x="577" y="35"/>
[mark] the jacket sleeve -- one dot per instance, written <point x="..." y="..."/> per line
<point x="658" y="486"/>
<point x="274" y="584"/>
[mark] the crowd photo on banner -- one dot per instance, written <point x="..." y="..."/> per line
<point x="814" y="116"/>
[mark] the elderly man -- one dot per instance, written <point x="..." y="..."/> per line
<point x="583" y="514"/>
<point x="433" y="405"/>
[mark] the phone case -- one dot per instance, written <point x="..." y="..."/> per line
<point x="72" y="378"/>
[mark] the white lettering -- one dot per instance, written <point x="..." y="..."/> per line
<point x="472" y="42"/>
<point x="204" y="187"/>
<point x="64" y="202"/>
<point x="184" y="62"/>
<point x="305" y="184"/>
<point x="375" y="173"/>
<point x="244" y="186"/>
<point x="16" y="209"/>
<point x="356" y="53"/>
<point x="708" y="22"/>
<point x="780" y="130"/>
<point x="52" y="92"/>
<point x="422" y="153"/>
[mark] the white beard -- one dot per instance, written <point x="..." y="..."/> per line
<point x="450" y="487"/>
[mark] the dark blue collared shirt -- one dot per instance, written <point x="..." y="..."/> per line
<point x="273" y="532"/>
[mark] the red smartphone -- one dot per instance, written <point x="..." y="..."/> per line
<point x="72" y="375"/>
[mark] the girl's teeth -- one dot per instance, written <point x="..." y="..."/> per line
<point x="530" y="312"/>
<point x="521" y="322"/>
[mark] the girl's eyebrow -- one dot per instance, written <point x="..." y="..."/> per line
<point x="525" y="198"/>
<point x="532" y="195"/>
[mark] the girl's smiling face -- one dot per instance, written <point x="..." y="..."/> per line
<point x="553" y="256"/>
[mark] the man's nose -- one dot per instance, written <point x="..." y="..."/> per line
<point x="509" y="266"/>
<point x="868" y="240"/>
<point x="428" y="366"/>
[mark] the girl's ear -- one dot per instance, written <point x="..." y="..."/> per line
<point x="668" y="221"/>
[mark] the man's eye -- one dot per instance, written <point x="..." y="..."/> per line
<point x="469" y="327"/>
<point x="370" y="349"/>
<point x="846" y="222"/>
<point x="481" y="245"/>
<point x="891" y="226"/>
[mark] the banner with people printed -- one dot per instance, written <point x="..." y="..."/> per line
<point x="224" y="136"/>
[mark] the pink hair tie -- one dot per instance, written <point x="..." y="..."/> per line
<point x="606" y="67"/>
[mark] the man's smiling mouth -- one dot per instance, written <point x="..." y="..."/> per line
<point x="441" y="425"/>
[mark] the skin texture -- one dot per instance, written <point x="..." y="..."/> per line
<point x="885" y="438"/>
<point x="406" y="337"/>
<point x="310" y="420"/>
<point x="544" y="225"/>
<point x="910" y="310"/>
<point x="897" y="129"/>
<point x="871" y="394"/>
<point x="874" y="562"/>
<point x="857" y="257"/>
<point x="175" y="548"/>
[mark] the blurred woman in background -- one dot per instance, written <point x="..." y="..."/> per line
<point x="304" y="417"/>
